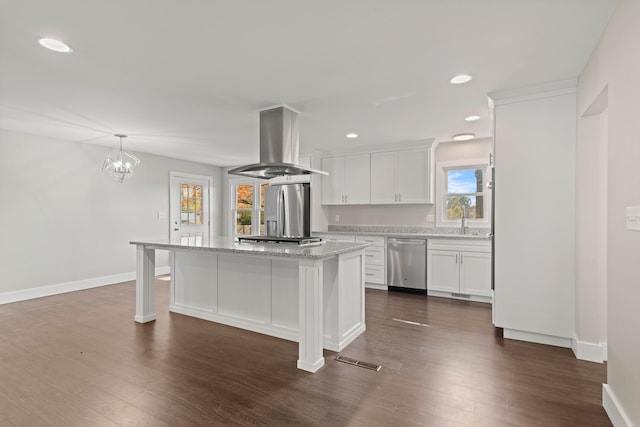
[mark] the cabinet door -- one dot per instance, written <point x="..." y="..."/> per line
<point x="383" y="178"/>
<point x="413" y="176"/>
<point x="443" y="271"/>
<point x="475" y="273"/>
<point x="357" y="179"/>
<point x="374" y="274"/>
<point x="333" y="185"/>
<point x="350" y="238"/>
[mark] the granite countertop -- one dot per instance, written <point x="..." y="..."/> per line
<point x="409" y="232"/>
<point x="229" y="245"/>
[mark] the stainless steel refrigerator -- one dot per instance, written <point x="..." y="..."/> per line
<point x="287" y="210"/>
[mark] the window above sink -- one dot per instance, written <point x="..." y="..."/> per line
<point x="462" y="185"/>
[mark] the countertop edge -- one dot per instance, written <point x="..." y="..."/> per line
<point x="352" y="247"/>
<point x="409" y="235"/>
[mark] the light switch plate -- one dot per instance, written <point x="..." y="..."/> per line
<point x="162" y="215"/>
<point x="633" y="218"/>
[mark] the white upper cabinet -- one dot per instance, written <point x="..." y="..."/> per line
<point x="413" y="176"/>
<point x="348" y="182"/>
<point x="333" y="185"/>
<point x="358" y="179"/>
<point x="401" y="176"/>
<point x="383" y="182"/>
<point x="388" y="174"/>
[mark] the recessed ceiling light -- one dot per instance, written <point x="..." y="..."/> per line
<point x="460" y="78"/>
<point x="56" y="45"/>
<point x="463" y="136"/>
<point x="352" y="135"/>
<point x="472" y="118"/>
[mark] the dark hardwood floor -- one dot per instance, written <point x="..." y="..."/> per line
<point x="79" y="359"/>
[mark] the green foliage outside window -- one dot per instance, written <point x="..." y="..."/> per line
<point x="244" y="218"/>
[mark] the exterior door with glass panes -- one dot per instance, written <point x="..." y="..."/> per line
<point x="190" y="208"/>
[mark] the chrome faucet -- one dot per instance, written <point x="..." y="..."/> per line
<point x="464" y="226"/>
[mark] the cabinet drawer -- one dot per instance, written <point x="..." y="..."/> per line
<point x="338" y="237"/>
<point x="374" y="255"/>
<point x="459" y="245"/>
<point x="374" y="240"/>
<point x="374" y="274"/>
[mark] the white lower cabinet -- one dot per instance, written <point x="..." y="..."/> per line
<point x="374" y="267"/>
<point x="350" y="238"/>
<point x="375" y="256"/>
<point x="475" y="273"/>
<point x="459" y="267"/>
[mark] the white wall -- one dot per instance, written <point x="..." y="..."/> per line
<point x="459" y="150"/>
<point x="64" y="220"/>
<point x="615" y="64"/>
<point x="410" y="215"/>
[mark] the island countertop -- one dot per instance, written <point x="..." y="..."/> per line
<point x="227" y="244"/>
<point x="313" y="295"/>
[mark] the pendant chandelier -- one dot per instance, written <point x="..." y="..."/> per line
<point x="120" y="165"/>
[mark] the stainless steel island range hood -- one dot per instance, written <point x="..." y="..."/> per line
<point x="279" y="141"/>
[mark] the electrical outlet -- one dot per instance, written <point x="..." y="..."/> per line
<point x="430" y="218"/>
<point x="337" y="218"/>
<point x="162" y="215"/>
<point x="633" y="218"/>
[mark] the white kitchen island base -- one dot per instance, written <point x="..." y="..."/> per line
<point x="314" y="296"/>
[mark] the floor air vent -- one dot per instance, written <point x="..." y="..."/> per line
<point x="358" y="363"/>
<point x="465" y="296"/>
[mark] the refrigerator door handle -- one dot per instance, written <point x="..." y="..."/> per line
<point x="279" y="212"/>
<point x="284" y="207"/>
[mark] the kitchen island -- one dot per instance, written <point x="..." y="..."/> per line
<point x="312" y="295"/>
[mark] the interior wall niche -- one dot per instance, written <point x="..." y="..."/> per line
<point x="591" y="230"/>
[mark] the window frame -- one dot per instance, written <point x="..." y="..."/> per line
<point x="195" y="210"/>
<point x="442" y="192"/>
<point x="257" y="211"/>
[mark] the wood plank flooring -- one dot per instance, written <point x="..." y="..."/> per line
<point x="79" y="359"/>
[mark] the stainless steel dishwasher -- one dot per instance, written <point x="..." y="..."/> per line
<point x="407" y="264"/>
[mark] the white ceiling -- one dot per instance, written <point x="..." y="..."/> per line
<point x="186" y="78"/>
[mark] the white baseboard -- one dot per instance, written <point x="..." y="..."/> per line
<point x="611" y="405"/>
<point x="161" y="271"/>
<point x="537" y="338"/>
<point x="346" y="340"/>
<point x="311" y="367"/>
<point x="79" y="285"/>
<point x="588" y="351"/>
<point x="376" y="286"/>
